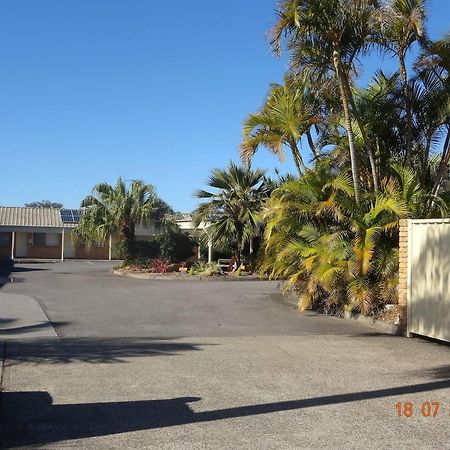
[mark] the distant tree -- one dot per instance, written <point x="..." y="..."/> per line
<point x="44" y="204"/>
<point x="233" y="208"/>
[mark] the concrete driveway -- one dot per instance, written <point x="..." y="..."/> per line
<point x="208" y="364"/>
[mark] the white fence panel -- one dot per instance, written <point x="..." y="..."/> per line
<point x="429" y="278"/>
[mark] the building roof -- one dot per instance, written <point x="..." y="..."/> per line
<point x="32" y="217"/>
<point x="182" y="216"/>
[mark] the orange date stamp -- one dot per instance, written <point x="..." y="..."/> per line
<point x="425" y="409"/>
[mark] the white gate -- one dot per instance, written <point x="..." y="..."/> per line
<point x="429" y="278"/>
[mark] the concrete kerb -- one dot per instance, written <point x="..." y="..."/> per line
<point x="178" y="277"/>
<point x="378" y="325"/>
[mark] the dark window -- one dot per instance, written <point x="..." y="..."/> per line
<point x="39" y="239"/>
<point x="5" y="239"/>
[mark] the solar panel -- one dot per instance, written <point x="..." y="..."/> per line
<point x="70" y="215"/>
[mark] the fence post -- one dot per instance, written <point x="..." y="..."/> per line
<point x="403" y="274"/>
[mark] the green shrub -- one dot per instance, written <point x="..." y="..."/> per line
<point x="175" y="245"/>
<point x="206" y="269"/>
<point x="137" y="252"/>
<point x="213" y="269"/>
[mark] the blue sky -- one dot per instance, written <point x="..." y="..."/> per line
<point x="97" y="89"/>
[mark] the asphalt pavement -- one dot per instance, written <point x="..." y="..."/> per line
<point x="206" y="364"/>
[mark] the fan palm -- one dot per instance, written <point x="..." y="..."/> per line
<point x="117" y="210"/>
<point x="233" y="209"/>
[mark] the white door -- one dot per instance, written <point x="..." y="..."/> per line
<point x="21" y="245"/>
<point x="69" y="252"/>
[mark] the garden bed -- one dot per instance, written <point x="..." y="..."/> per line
<point x="143" y="275"/>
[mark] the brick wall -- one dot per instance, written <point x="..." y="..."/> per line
<point x="43" y="251"/>
<point x="403" y="273"/>
<point x="92" y="253"/>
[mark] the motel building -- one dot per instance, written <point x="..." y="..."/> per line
<point x="45" y="233"/>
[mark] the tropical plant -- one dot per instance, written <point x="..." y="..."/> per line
<point x="332" y="250"/>
<point x="288" y="113"/>
<point x="206" y="269"/>
<point x="401" y="23"/>
<point x="232" y="212"/>
<point x="159" y="265"/>
<point x="325" y="37"/>
<point x="115" y="211"/>
<point x="381" y="153"/>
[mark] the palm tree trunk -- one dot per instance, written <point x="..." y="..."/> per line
<point x="426" y="155"/>
<point x="408" y="108"/>
<point x="348" y="124"/>
<point x="298" y="160"/>
<point x="373" y="166"/>
<point x="128" y="232"/>
<point x="311" y="144"/>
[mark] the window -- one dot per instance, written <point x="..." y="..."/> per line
<point x="39" y="239"/>
<point x="5" y="239"/>
<point x="46" y="239"/>
<point x="94" y="244"/>
<point x="52" y="239"/>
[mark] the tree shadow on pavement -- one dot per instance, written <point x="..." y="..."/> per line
<point x="93" y="350"/>
<point x="24" y="329"/>
<point x="31" y="418"/>
<point x="18" y="269"/>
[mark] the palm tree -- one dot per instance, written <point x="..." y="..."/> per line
<point x="326" y="36"/>
<point x="116" y="210"/>
<point x="434" y="69"/>
<point x="435" y="63"/>
<point x="287" y="114"/>
<point x="332" y="250"/>
<point x="402" y="24"/>
<point x="233" y="210"/>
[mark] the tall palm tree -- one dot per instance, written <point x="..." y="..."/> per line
<point x="116" y="210"/>
<point x="402" y="24"/>
<point x="326" y="36"/>
<point x="233" y="209"/>
<point x="285" y="117"/>
<point x="434" y="69"/>
<point x="434" y="63"/>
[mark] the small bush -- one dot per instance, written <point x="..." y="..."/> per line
<point x="137" y="252"/>
<point x="206" y="269"/>
<point x="175" y="245"/>
<point x="213" y="269"/>
<point x="159" y="265"/>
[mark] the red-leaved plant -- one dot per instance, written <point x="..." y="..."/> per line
<point x="159" y="265"/>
